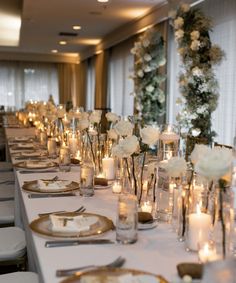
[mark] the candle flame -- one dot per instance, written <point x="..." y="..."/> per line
<point x="198" y="208"/>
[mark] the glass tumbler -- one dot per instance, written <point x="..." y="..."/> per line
<point x="127" y="219"/>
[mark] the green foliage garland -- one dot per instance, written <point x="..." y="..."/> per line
<point x="149" y="56"/>
<point x="198" y="85"/>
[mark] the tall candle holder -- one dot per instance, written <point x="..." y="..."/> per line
<point x="169" y="142"/>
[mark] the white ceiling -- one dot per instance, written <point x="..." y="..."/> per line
<point x="42" y="20"/>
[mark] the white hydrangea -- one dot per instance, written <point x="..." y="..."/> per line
<point x="178" y="23"/>
<point x="195" y="35"/>
<point x="195" y="44"/>
<point x="179" y="34"/>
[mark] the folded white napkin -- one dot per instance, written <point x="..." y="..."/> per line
<point x="71" y="224"/>
<point x="37" y="164"/>
<point x="125" y="278"/>
<point x="49" y="186"/>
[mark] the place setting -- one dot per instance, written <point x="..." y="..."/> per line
<point x="36" y="165"/>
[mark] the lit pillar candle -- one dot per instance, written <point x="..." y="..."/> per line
<point x="73" y="144"/>
<point x="146" y="207"/>
<point x="199" y="228"/>
<point x="108" y="168"/>
<point x="116" y="188"/>
<point x="207" y="253"/>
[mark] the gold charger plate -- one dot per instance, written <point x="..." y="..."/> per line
<point x="23" y="165"/>
<point x="42" y="226"/>
<point x="101" y="274"/>
<point x="32" y="186"/>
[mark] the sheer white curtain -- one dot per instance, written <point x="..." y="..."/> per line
<point x="223" y="14"/>
<point x="90" y="95"/>
<point x="120" y="85"/>
<point x="20" y="82"/>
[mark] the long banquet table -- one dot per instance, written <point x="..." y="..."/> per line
<point x="157" y="250"/>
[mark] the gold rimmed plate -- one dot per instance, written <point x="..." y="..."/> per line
<point x="35" y="164"/>
<point x="43" y="227"/>
<point x="33" y="187"/>
<point x="103" y="275"/>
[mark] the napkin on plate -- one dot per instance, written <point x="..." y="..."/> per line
<point x="36" y="164"/>
<point x="55" y="185"/>
<point x="62" y="223"/>
<point x="124" y="278"/>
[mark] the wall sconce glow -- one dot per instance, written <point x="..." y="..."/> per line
<point x="62" y="42"/>
<point x="103" y="1"/>
<point x="54" y="50"/>
<point x="133" y="13"/>
<point x="89" y="41"/>
<point x="76" y="27"/>
<point x="10" y="29"/>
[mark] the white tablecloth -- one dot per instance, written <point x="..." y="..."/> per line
<point x="156" y="251"/>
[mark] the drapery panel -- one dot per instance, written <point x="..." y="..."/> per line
<point x="81" y="85"/>
<point x="223" y="14"/>
<point x="23" y="81"/>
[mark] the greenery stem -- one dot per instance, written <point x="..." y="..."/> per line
<point x="134" y="176"/>
<point x="142" y="169"/>
<point x="91" y="147"/>
<point x="221" y="212"/>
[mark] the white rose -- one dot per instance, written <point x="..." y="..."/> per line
<point x="149" y="135"/>
<point x="149" y="88"/>
<point x="140" y="73"/>
<point x="197" y="72"/>
<point x="112" y="134"/>
<point x="175" y="167"/>
<point x="216" y="164"/>
<point x="194" y="35"/>
<point x="95" y="116"/>
<point x="146" y="42"/>
<point x="195" y="45"/>
<point x="129" y="145"/>
<point x="179" y="34"/>
<point x="83" y="124"/>
<point x="185" y="7"/>
<point x="196" y="132"/>
<point x="124" y="128"/>
<point x="147" y="57"/>
<point x="112" y="117"/>
<point x="147" y="69"/>
<point x="198" y="152"/>
<point x="178" y="23"/>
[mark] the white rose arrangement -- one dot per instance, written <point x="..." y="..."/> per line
<point x="112" y="117"/>
<point x="124" y="128"/>
<point x="198" y="152"/>
<point x="149" y="135"/>
<point x="95" y="117"/>
<point x="175" y="167"/>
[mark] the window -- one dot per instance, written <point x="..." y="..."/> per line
<point x="20" y="82"/>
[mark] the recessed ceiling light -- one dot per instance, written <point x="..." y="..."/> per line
<point x="54" y="50"/>
<point x="102" y="1"/>
<point x="76" y="27"/>
<point x="62" y="42"/>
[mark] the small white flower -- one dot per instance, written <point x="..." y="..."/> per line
<point x="194" y="35"/>
<point x="112" y="117"/>
<point x="197" y="72"/>
<point x="149" y="88"/>
<point x="147" y="69"/>
<point x="129" y="145"/>
<point x="161" y="97"/>
<point x="185" y="7"/>
<point x="149" y="135"/>
<point x="198" y="152"/>
<point x="124" y="128"/>
<point x="147" y="57"/>
<point x="215" y="164"/>
<point x="146" y="43"/>
<point x="95" y="116"/>
<point x="179" y="34"/>
<point x="178" y="23"/>
<point x="195" y="44"/>
<point x="196" y="132"/>
<point x="140" y="73"/>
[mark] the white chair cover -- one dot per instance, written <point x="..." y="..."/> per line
<point x="12" y="243"/>
<point x="6" y="211"/>
<point x="7" y="192"/>
<point x="19" y="277"/>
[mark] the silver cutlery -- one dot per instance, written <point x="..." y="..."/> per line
<point x="66" y="272"/>
<point x="67" y="243"/>
<point x="38" y="171"/>
<point x="80" y="209"/>
<point x="51" y="195"/>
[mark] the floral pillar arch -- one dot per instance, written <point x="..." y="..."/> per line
<point x="197" y="82"/>
<point x="149" y="96"/>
